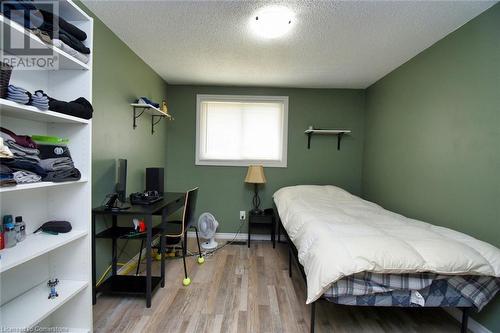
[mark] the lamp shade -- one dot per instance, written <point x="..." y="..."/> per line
<point x="255" y="175"/>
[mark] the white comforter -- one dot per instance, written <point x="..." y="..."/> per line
<point x="338" y="234"/>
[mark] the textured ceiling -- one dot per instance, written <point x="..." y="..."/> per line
<point x="349" y="44"/>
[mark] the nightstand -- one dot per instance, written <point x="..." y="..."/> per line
<point x="266" y="220"/>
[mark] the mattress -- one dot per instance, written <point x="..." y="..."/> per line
<point x="438" y="294"/>
<point x="424" y="289"/>
<point x="338" y="234"/>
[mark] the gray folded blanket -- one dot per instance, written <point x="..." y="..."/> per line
<point x="56" y="164"/>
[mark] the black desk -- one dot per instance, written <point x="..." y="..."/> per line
<point x="131" y="284"/>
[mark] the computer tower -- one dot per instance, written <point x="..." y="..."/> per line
<point x="155" y="179"/>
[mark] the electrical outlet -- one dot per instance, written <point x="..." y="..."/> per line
<point x="243" y="215"/>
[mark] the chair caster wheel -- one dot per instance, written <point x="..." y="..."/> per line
<point x="201" y="260"/>
<point x="186" y="282"/>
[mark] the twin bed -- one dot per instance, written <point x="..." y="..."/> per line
<point x="354" y="252"/>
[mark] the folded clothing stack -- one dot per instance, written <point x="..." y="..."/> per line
<point x="22" y="140"/>
<point x="22" y="153"/>
<point x="147" y="101"/>
<point x="80" y="107"/>
<point x="6" y="176"/>
<point x="48" y="27"/>
<point x="40" y="100"/>
<point x="56" y="161"/>
<point x="5" y="151"/>
<point x="71" y="51"/>
<point x="20" y="95"/>
<point x="22" y="165"/>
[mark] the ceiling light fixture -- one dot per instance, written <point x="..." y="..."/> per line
<point x="272" y="22"/>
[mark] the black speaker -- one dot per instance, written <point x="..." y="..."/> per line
<point x="154" y="179"/>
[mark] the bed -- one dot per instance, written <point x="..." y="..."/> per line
<point x="354" y="252"/>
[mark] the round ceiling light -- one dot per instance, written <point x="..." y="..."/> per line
<point x="272" y="22"/>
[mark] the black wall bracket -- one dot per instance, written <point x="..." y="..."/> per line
<point x="139" y="109"/>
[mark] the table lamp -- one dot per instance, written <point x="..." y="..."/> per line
<point x="255" y="175"/>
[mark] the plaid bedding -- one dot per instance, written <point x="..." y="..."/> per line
<point x="400" y="288"/>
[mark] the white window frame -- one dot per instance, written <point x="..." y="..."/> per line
<point x="243" y="98"/>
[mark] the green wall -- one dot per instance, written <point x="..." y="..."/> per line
<point x="222" y="190"/>
<point x="119" y="77"/>
<point x="432" y="140"/>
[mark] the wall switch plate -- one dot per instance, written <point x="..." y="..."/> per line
<point x="243" y="215"/>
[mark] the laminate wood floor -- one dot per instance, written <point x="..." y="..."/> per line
<point x="248" y="290"/>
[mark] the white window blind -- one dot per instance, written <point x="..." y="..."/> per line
<point x="241" y="130"/>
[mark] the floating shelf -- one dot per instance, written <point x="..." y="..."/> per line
<point x="16" y="110"/>
<point x="156" y="114"/>
<point x="22" y="187"/>
<point x="28" y="309"/>
<point x="36" y="245"/>
<point x="18" y="32"/>
<point x="338" y="132"/>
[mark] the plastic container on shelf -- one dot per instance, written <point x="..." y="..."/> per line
<point x="49" y="140"/>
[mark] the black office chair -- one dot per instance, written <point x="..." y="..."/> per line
<point x="180" y="237"/>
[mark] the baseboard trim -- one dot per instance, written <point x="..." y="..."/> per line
<point x="474" y="326"/>
<point x="235" y="236"/>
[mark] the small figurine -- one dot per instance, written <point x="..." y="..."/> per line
<point x="52" y="284"/>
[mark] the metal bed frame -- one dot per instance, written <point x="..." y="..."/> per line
<point x="293" y="253"/>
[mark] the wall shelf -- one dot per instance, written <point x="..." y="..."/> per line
<point x="26" y="267"/>
<point x="36" y="245"/>
<point x="28" y="309"/>
<point x="156" y="114"/>
<point x="28" y="112"/>
<point x="338" y="132"/>
<point x="31" y="186"/>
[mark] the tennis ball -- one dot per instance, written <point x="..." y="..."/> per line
<point x="186" y="282"/>
<point x="201" y="260"/>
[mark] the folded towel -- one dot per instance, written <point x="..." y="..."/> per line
<point x="63" y="175"/>
<point x="56" y="164"/>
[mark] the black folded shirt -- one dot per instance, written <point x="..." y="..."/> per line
<point x="80" y="107"/>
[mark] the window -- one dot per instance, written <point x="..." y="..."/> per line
<point x="241" y="130"/>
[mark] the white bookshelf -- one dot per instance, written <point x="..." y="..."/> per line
<point x="26" y="268"/>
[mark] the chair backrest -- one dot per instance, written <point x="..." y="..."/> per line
<point x="188" y="216"/>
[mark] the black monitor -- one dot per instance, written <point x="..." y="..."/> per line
<point x="121" y="179"/>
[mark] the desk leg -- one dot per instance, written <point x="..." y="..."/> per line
<point x="114" y="260"/>
<point x="149" y="226"/>
<point x="94" y="298"/>
<point x="279" y="232"/>
<point x="249" y="232"/>
<point x="273" y="233"/>
<point x="162" y="245"/>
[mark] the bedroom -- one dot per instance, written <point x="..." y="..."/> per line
<point x="415" y="83"/>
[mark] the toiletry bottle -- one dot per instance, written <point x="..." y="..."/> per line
<point x="20" y="229"/>
<point x="1" y="237"/>
<point x="10" y="235"/>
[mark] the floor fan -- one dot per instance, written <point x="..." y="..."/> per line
<point x="207" y="225"/>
